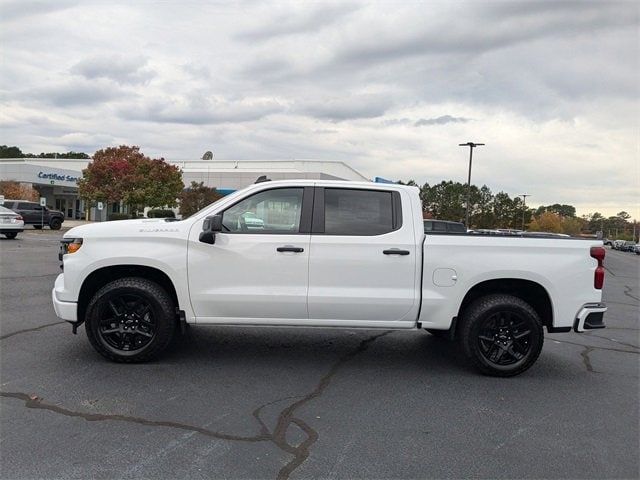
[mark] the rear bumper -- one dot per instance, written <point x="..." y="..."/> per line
<point x="590" y="317"/>
<point x="65" y="310"/>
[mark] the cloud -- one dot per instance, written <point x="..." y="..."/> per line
<point x="120" y="69"/>
<point x="301" y="22"/>
<point x="197" y="109"/>
<point x="73" y="94"/>
<point x="21" y="9"/>
<point x="346" y="108"/>
<point x="440" y="120"/>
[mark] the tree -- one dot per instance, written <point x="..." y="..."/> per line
<point x="10" y="152"/>
<point x="561" y="209"/>
<point x="546" y="222"/>
<point x="157" y="184"/>
<point x="124" y="174"/>
<point x="196" y="197"/>
<point x="15" y="152"/>
<point x="17" y="191"/>
<point x="572" y="225"/>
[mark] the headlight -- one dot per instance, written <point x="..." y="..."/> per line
<point x="68" y="246"/>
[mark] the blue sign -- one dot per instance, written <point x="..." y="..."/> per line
<point x="382" y="180"/>
<point x="58" y="176"/>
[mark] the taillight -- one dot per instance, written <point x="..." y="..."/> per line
<point x="598" y="277"/>
<point x="19" y="218"/>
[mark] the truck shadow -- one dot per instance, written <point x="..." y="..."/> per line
<point x="283" y="347"/>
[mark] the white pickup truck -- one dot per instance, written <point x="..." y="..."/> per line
<point x="325" y="254"/>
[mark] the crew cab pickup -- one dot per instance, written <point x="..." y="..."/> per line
<point x="333" y="254"/>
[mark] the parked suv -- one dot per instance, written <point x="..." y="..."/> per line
<point x="34" y="214"/>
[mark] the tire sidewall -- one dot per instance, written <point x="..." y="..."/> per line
<point x="55" y="224"/>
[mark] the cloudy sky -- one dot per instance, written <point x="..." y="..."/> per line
<point x="552" y="88"/>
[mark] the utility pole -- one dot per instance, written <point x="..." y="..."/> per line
<point x="524" y="206"/>
<point x="471" y="146"/>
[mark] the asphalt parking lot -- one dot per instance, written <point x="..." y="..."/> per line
<point x="296" y="403"/>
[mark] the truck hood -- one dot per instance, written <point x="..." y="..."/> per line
<point x="129" y="228"/>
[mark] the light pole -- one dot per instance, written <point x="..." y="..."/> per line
<point x="524" y="206"/>
<point x="471" y="146"/>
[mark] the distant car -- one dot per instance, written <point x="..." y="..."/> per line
<point x="11" y="223"/>
<point x="36" y="215"/>
<point x="252" y="221"/>
<point x="636" y="249"/>
<point x="443" y="226"/>
<point x="607" y="241"/>
<point x="545" y="234"/>
<point x="616" y="244"/>
<point x="627" y="246"/>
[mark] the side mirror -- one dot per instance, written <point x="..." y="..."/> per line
<point x="210" y="226"/>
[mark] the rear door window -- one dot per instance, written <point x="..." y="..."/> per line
<point x="358" y="212"/>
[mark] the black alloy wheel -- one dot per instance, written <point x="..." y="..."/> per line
<point x="127" y="322"/>
<point x="504" y="338"/>
<point x="131" y="320"/>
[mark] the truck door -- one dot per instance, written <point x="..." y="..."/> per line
<point x="362" y="265"/>
<point x="258" y="267"/>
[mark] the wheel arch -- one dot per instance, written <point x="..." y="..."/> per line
<point x="529" y="291"/>
<point x="100" y="277"/>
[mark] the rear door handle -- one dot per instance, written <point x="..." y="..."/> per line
<point x="396" y="251"/>
<point x="289" y="248"/>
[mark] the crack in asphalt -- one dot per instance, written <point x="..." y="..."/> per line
<point x="594" y="347"/>
<point x="627" y="292"/>
<point x="614" y="340"/>
<point x="34" y="329"/>
<point x="586" y="360"/>
<point x="286" y="417"/>
<point x="32" y="401"/>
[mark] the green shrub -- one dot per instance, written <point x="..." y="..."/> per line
<point x="119" y="216"/>
<point x="161" y="213"/>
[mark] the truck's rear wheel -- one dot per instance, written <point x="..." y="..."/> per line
<point x="501" y="335"/>
<point x="130" y="320"/>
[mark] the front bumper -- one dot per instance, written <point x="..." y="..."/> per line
<point x="65" y="310"/>
<point x="590" y="317"/>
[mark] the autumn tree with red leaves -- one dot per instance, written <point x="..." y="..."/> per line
<point x="124" y="174"/>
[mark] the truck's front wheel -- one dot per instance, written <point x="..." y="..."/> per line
<point x="130" y="320"/>
<point x="501" y="334"/>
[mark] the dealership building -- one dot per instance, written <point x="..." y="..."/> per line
<point x="56" y="178"/>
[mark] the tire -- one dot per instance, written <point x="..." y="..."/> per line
<point x="501" y="335"/>
<point x="37" y="227"/>
<point x="130" y="320"/>
<point x="55" y="224"/>
<point x="11" y="235"/>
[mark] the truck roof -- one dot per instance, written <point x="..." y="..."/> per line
<point x="337" y="183"/>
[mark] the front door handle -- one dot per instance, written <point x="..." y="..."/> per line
<point x="396" y="251"/>
<point x="289" y="248"/>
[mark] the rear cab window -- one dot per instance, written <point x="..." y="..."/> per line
<point x="358" y="212"/>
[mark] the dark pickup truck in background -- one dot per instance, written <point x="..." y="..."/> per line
<point x="36" y="215"/>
